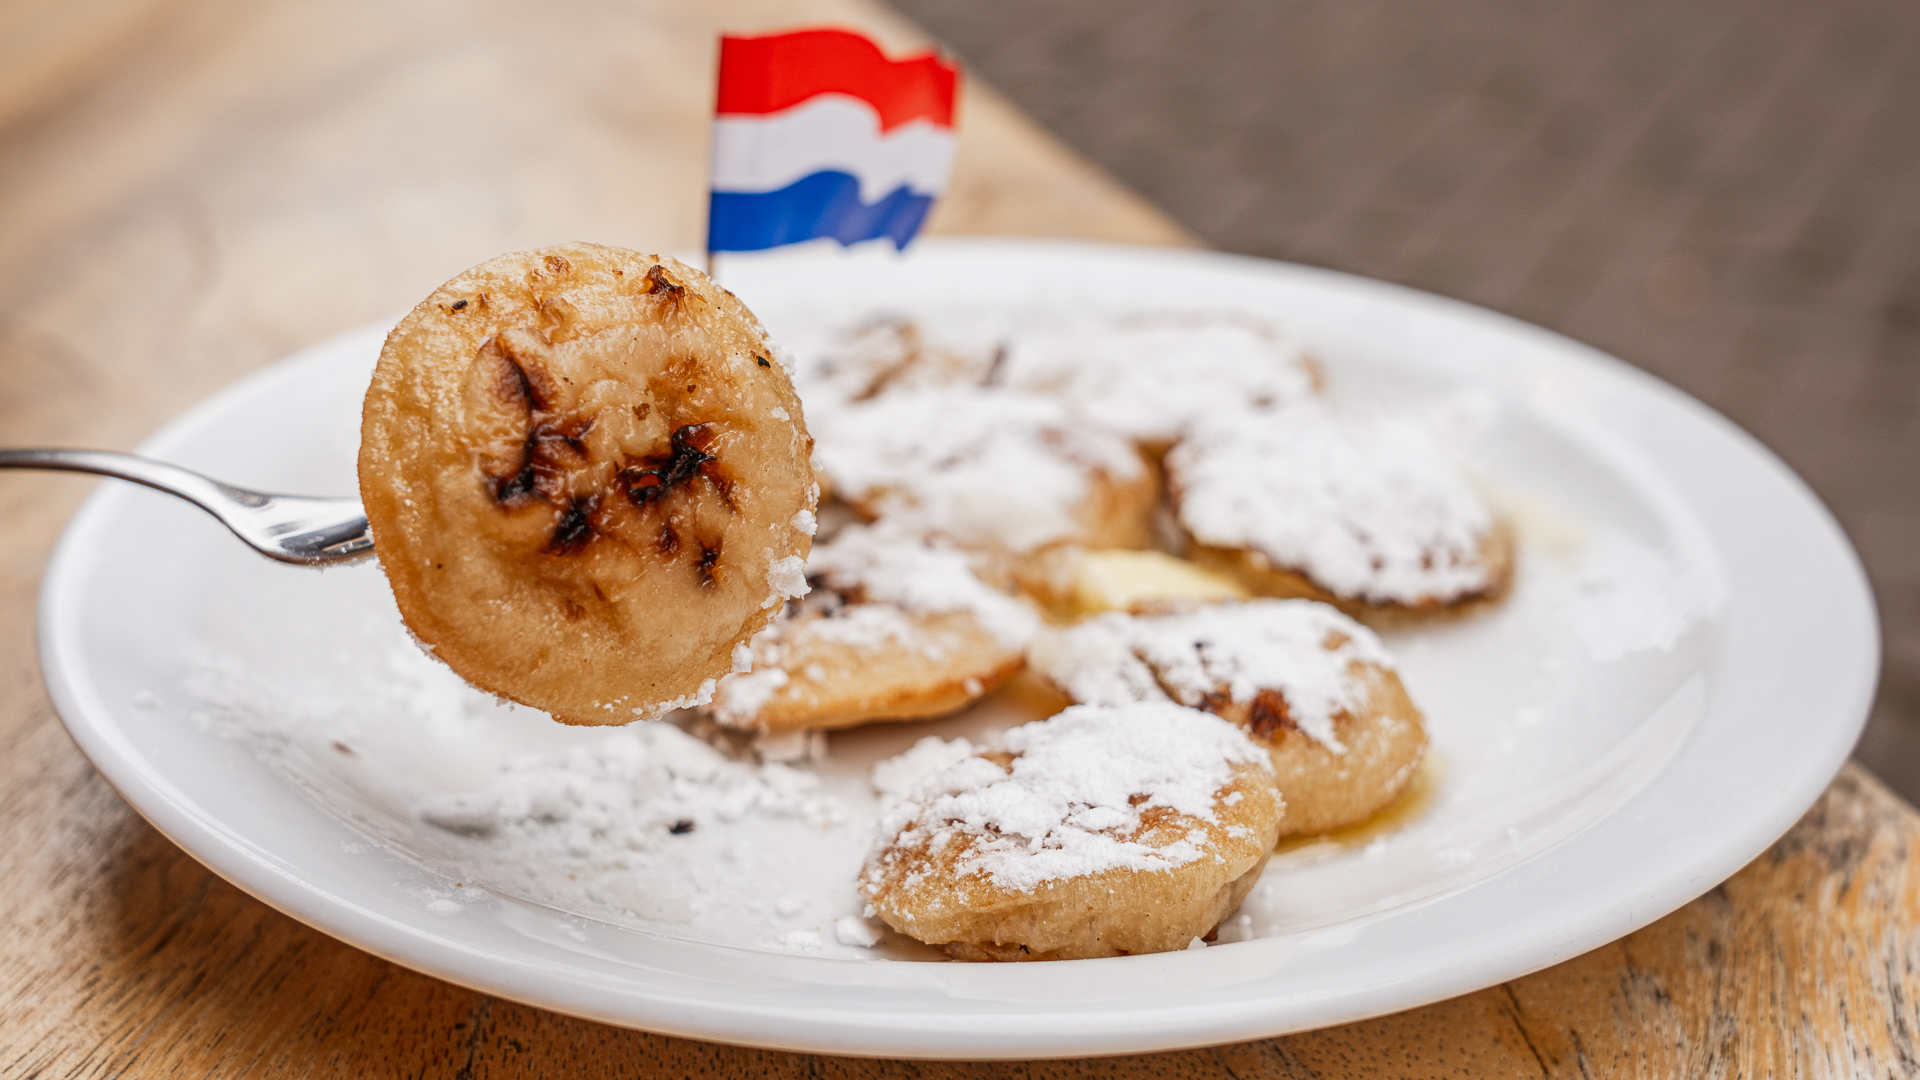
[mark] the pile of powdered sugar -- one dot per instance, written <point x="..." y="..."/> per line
<point x="787" y="577"/>
<point x="879" y="566"/>
<point x="894" y="778"/>
<point x="887" y="353"/>
<point x="646" y="821"/>
<point x="1070" y="802"/>
<point x="1155" y="377"/>
<point x="629" y="789"/>
<point x="1301" y="649"/>
<point x="1148" y="375"/>
<point x="1367" y="507"/>
<point x="645" y="825"/>
<point x="992" y="468"/>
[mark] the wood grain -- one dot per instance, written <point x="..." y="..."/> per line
<point x="190" y="190"/>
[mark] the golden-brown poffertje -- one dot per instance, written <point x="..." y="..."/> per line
<point x="1257" y="573"/>
<point x="586" y="472"/>
<point x="1317" y="689"/>
<point x="1099" y="832"/>
<point x="894" y="629"/>
<point x="1366" y="513"/>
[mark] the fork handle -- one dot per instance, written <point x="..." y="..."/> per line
<point x="207" y="494"/>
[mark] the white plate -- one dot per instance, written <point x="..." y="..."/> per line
<point x="1685" y="663"/>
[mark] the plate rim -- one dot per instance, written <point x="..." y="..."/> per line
<point x="1101" y="1031"/>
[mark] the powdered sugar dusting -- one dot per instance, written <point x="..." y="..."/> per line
<point x="1148" y="375"/>
<point x="876" y="583"/>
<point x="868" y="626"/>
<point x="888" y="353"/>
<point x="885" y="568"/>
<point x="1302" y="649"/>
<point x="741" y="696"/>
<point x="1367" y="508"/>
<point x="1094" y="662"/>
<point x="637" y="821"/>
<point x="1153" y="377"/>
<point x="857" y="931"/>
<point x="699" y="697"/>
<point x="631" y="788"/>
<point x="979" y="467"/>
<point x="894" y="778"/>
<point x="780" y="353"/>
<point x="1066" y="808"/>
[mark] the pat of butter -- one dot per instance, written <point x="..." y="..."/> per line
<point x="1140" y="580"/>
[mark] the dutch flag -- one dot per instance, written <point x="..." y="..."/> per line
<point x="818" y="134"/>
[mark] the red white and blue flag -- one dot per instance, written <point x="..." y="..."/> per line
<point x="818" y="134"/>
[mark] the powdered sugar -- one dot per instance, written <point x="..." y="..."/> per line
<point x="880" y="567"/>
<point x="630" y="789"/>
<point x="1145" y="374"/>
<point x="1153" y="377"/>
<point x="863" y="626"/>
<point x="894" y="778"/>
<point x="876" y="586"/>
<point x="781" y="355"/>
<point x="979" y="467"/>
<point x="1302" y="649"/>
<point x="886" y="353"/>
<point x="1367" y="508"/>
<point x="580" y="819"/>
<point x="649" y="823"/>
<point x="700" y="696"/>
<point x="787" y="578"/>
<point x="857" y="931"/>
<point x="740" y="698"/>
<point x="1066" y="807"/>
<point x="742" y="695"/>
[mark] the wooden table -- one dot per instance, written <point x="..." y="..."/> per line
<point x="190" y="190"/>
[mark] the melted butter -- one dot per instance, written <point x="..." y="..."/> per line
<point x="1393" y="817"/>
<point x="1115" y="580"/>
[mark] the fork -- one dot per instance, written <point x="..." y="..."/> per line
<point x="290" y="528"/>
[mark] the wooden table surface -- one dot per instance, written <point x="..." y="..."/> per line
<point x="191" y="190"/>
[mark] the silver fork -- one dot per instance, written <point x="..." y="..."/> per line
<point x="290" y="528"/>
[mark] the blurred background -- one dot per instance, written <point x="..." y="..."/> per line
<point x="1723" y="192"/>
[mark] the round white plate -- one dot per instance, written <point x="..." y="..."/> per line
<point x="1686" y="661"/>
